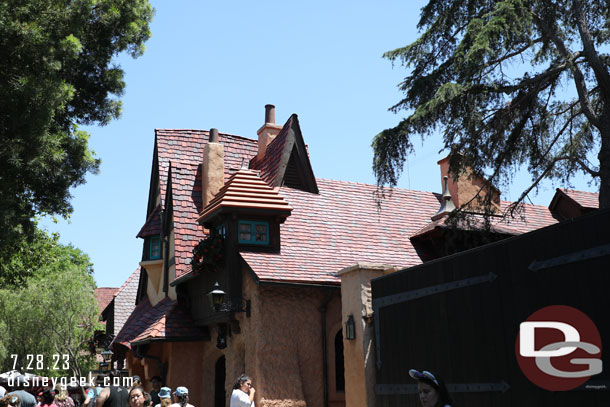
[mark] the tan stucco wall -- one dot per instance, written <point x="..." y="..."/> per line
<point x="280" y="346"/>
<point x="154" y="289"/>
<point x="185" y="369"/>
<point x="359" y="353"/>
<point x="213" y="171"/>
<point x="289" y="345"/>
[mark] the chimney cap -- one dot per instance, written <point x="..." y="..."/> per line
<point x="269" y="113"/>
<point x="213" y="136"/>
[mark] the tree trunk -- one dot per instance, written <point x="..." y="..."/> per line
<point x="604" y="163"/>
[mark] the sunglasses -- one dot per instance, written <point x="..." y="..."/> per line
<point x="423" y="375"/>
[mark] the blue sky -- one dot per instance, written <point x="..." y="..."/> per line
<point x="216" y="64"/>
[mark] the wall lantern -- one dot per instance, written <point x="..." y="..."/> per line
<point x="106" y="364"/>
<point x="218" y="303"/>
<point x="350" y="328"/>
<point x="107" y="355"/>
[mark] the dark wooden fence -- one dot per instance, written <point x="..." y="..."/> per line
<point x="460" y="315"/>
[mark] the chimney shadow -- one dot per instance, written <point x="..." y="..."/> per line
<point x="196" y="192"/>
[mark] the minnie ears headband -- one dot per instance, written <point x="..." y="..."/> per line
<point x="417" y="375"/>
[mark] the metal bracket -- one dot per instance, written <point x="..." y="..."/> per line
<point x="574" y="257"/>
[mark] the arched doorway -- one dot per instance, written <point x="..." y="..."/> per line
<point x="219" y="382"/>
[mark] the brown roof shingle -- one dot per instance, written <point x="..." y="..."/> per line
<point x="183" y="150"/>
<point x="342" y="226"/>
<point x="585" y="199"/>
<point x="104" y="295"/>
<point x="166" y="320"/>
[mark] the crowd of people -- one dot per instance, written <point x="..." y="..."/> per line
<point x="118" y="396"/>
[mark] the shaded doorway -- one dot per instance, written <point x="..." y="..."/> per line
<point x="339" y="362"/>
<point x="219" y="382"/>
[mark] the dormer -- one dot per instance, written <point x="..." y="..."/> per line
<point x="152" y="255"/>
<point x="283" y="159"/>
<point x="247" y="212"/>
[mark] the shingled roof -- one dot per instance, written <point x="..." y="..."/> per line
<point x="125" y="300"/>
<point x="342" y="226"/>
<point x="103" y="296"/>
<point x="326" y="232"/>
<point x="183" y="151"/>
<point x="167" y="320"/>
<point x="245" y="189"/>
<point x="587" y="200"/>
<point x="152" y="226"/>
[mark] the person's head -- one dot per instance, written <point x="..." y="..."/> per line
<point x="47" y="396"/>
<point x="165" y="393"/>
<point x="156" y="382"/>
<point x="62" y="393"/>
<point x="182" y="395"/>
<point x="19" y="382"/>
<point x="166" y="402"/>
<point x="147" y="400"/>
<point x="10" y="401"/>
<point x="136" y="397"/>
<point x="136" y="381"/>
<point x="431" y="389"/>
<point x="243" y="383"/>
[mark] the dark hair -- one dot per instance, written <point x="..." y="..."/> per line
<point x="157" y="378"/>
<point x="147" y="399"/>
<point x="136" y="388"/>
<point x="48" y="396"/>
<point x="241" y="380"/>
<point x="443" y="394"/>
<point x="10" y="400"/>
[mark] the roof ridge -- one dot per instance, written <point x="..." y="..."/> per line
<point x="127" y="281"/>
<point x="205" y="132"/>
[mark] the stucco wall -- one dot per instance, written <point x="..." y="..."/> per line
<point x="185" y="369"/>
<point x="359" y="353"/>
<point x="280" y="346"/>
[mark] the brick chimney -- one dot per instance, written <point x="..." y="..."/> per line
<point x="267" y="132"/>
<point x="213" y="168"/>
<point x="466" y="187"/>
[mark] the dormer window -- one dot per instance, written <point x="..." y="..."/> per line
<point x="155" y="248"/>
<point x="251" y="232"/>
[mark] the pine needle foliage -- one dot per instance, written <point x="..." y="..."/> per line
<point x="509" y="84"/>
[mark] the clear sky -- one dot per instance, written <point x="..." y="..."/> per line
<point x="216" y="64"/>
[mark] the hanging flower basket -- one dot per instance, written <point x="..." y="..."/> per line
<point x="208" y="255"/>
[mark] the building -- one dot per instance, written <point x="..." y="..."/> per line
<point x="293" y="255"/>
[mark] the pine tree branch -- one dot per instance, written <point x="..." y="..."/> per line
<point x="601" y="73"/>
<point x="579" y="79"/>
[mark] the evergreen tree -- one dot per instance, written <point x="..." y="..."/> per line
<point x="508" y="83"/>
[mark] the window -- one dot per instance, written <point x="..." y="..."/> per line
<point x="155" y="248"/>
<point x="251" y="232"/>
<point x="221" y="230"/>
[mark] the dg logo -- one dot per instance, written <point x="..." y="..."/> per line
<point x="559" y="348"/>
